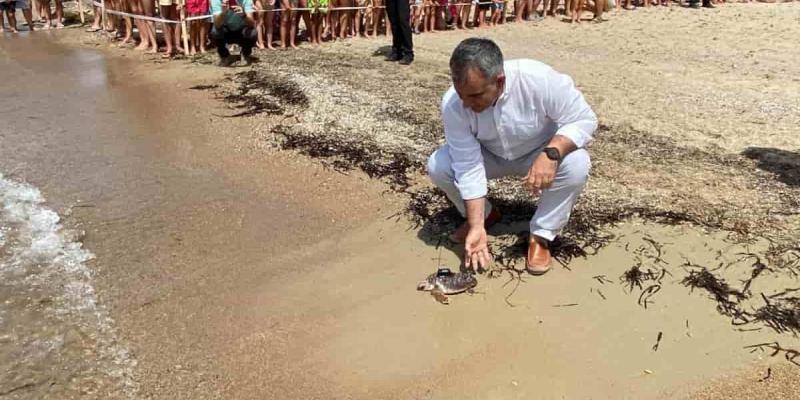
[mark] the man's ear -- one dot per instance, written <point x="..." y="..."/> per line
<point x="501" y="80"/>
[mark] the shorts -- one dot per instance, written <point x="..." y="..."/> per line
<point x="498" y="6"/>
<point x="10" y="6"/>
<point x="167" y="3"/>
<point x="318" y="5"/>
<point x="23" y="4"/>
<point x="483" y="5"/>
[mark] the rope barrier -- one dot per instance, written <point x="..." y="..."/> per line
<point x="136" y="16"/>
<point x="328" y="9"/>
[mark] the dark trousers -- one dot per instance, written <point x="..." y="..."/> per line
<point x="399" y="15"/>
<point x="245" y="38"/>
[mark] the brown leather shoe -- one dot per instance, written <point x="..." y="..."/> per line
<point x="460" y="234"/>
<point x="539" y="259"/>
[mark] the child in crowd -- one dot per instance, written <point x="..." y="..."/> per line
<point x="416" y="16"/>
<point x="59" y="14"/>
<point x="497" y="12"/>
<point x="552" y="9"/>
<point x="198" y="29"/>
<point x="575" y="8"/>
<point x="300" y="12"/>
<point x="9" y="8"/>
<point x="379" y="16"/>
<point x="172" y="31"/>
<point x="345" y="17"/>
<point x="428" y="16"/>
<point x="264" y="23"/>
<point x="363" y="17"/>
<point x="440" y="7"/>
<point x="462" y="12"/>
<point x="319" y="10"/>
<point x="286" y="22"/>
<point x="480" y="12"/>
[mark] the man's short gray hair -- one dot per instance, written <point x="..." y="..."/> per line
<point x="480" y="53"/>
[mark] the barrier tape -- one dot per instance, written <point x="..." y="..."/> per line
<point x="136" y="16"/>
<point x="208" y="16"/>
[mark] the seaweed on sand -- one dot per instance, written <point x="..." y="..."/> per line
<point x="781" y="315"/>
<point x="789" y="354"/>
<point x="727" y="299"/>
<point x="267" y="93"/>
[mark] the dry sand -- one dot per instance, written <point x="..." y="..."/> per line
<point x="236" y="298"/>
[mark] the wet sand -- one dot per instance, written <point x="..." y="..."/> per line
<point x="237" y="271"/>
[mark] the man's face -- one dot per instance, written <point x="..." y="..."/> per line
<point x="478" y="92"/>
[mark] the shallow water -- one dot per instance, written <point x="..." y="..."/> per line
<point x="56" y="341"/>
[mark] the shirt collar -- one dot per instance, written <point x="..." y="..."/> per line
<point x="511" y="78"/>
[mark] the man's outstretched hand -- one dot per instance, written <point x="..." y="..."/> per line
<point x="476" y="249"/>
<point x="541" y="174"/>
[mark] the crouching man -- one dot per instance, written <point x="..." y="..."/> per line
<point x="514" y="118"/>
<point x="233" y="25"/>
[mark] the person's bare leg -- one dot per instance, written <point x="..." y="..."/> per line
<point x="12" y="21"/>
<point x="204" y="36"/>
<point x="96" y="19"/>
<point x="520" y="7"/>
<point x="286" y="19"/>
<point x="44" y="12"/>
<point x="167" y="29"/>
<point x="599" y="7"/>
<point x="293" y="29"/>
<point x="149" y="10"/>
<point x="59" y="14"/>
<point x="376" y="17"/>
<point x="306" y="16"/>
<point x="108" y="23"/>
<point x="27" y="13"/>
<point x="535" y="8"/>
<point x="128" y="38"/>
<point x="268" y="28"/>
<point x="333" y="19"/>
<point x="136" y="8"/>
<point x="177" y="30"/>
<point x="343" y="17"/>
<point x="260" y="31"/>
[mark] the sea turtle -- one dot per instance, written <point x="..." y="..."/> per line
<point x="445" y="282"/>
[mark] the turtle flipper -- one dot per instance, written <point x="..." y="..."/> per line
<point x="439" y="296"/>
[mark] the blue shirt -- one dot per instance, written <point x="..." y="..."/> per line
<point x="233" y="21"/>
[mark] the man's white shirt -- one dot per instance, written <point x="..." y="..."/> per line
<point x="537" y="103"/>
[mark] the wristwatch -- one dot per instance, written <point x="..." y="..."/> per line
<point x="552" y="153"/>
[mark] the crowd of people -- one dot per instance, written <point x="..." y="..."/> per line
<point x="277" y="23"/>
<point x="48" y="17"/>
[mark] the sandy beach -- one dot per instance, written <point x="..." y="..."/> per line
<point x="275" y="255"/>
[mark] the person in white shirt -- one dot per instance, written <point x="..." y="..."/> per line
<point x="514" y="118"/>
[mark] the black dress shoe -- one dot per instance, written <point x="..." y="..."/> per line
<point x="407" y="59"/>
<point x="708" y="5"/>
<point x="394" y="56"/>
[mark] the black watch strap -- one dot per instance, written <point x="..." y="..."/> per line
<point x="552" y="153"/>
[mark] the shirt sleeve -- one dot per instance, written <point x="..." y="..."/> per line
<point x="215" y="7"/>
<point x="465" y="150"/>
<point x="247" y="6"/>
<point x="565" y="105"/>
